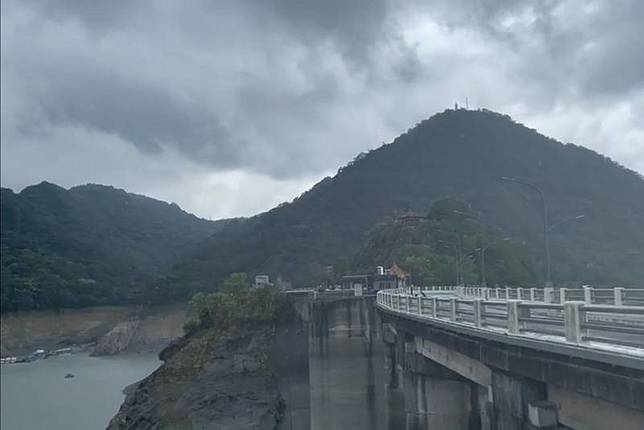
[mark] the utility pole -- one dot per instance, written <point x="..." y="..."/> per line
<point x="483" y="250"/>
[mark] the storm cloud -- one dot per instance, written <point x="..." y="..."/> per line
<point x="229" y="108"/>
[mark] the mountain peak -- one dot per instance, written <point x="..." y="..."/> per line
<point x="461" y="154"/>
<point x="43" y="188"/>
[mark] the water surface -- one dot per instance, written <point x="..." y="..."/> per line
<point x="38" y="396"/>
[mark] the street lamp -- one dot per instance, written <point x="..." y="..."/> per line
<point x="545" y="223"/>
<point x="457" y="259"/>
<point x="557" y="224"/>
<point x="546" y="228"/>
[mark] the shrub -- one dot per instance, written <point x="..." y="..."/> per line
<point x="236" y="306"/>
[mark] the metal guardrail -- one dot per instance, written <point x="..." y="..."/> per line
<point x="536" y="313"/>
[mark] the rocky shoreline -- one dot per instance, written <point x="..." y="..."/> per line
<point x="209" y="380"/>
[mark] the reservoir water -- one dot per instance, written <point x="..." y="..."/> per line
<point x="38" y="396"/>
<point x="335" y="372"/>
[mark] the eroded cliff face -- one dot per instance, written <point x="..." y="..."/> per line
<point x="210" y="380"/>
<point x="113" y="329"/>
<point x="117" y="339"/>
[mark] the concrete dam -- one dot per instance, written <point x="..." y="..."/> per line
<point x="452" y="360"/>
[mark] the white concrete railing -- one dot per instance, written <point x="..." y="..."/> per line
<point x="589" y="295"/>
<point x="587" y="323"/>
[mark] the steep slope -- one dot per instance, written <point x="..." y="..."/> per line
<point x="461" y="154"/>
<point x="91" y="244"/>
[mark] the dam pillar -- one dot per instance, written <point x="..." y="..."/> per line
<point x="512" y="398"/>
<point x="429" y="395"/>
<point x="435" y="397"/>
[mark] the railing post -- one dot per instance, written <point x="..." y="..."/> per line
<point x="407" y="300"/>
<point x="452" y="309"/>
<point x="547" y="294"/>
<point x="619" y="296"/>
<point x="420" y="305"/>
<point x="532" y="294"/>
<point x="514" y="325"/>
<point x="562" y="295"/>
<point x="588" y="295"/>
<point x="434" y="307"/>
<point x="574" y="317"/>
<point x="507" y="293"/>
<point x="486" y="293"/>
<point x="519" y="293"/>
<point x="478" y="312"/>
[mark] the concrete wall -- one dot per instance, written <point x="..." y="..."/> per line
<point x="290" y="360"/>
<point x="586" y="413"/>
<point x="503" y="384"/>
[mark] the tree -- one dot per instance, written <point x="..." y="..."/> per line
<point x="236" y="283"/>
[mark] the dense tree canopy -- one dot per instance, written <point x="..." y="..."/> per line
<point x="449" y="246"/>
<point x="88" y="245"/>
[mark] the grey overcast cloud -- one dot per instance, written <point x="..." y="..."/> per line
<point x="231" y="107"/>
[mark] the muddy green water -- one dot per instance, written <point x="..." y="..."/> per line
<point x="38" y="396"/>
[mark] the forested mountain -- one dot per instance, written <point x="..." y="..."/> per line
<point x="88" y="245"/>
<point x="95" y="244"/>
<point x="461" y="154"/>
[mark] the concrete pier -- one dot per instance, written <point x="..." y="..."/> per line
<point x="465" y="380"/>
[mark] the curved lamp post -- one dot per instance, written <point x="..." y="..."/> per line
<point x="546" y="228"/>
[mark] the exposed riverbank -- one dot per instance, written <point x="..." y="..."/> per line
<point x="113" y="329"/>
<point x="209" y="380"/>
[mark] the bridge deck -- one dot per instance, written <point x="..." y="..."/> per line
<point x="612" y="333"/>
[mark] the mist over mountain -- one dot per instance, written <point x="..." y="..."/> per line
<point x="459" y="154"/>
<point x="88" y="245"/>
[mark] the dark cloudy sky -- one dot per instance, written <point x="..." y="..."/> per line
<point x="230" y="107"/>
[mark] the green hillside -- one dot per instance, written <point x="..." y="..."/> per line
<point x="88" y="245"/>
<point x="447" y="246"/>
<point x="460" y="154"/>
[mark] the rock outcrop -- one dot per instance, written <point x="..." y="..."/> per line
<point x="210" y="380"/>
<point x="117" y="339"/>
<point x="24" y="332"/>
